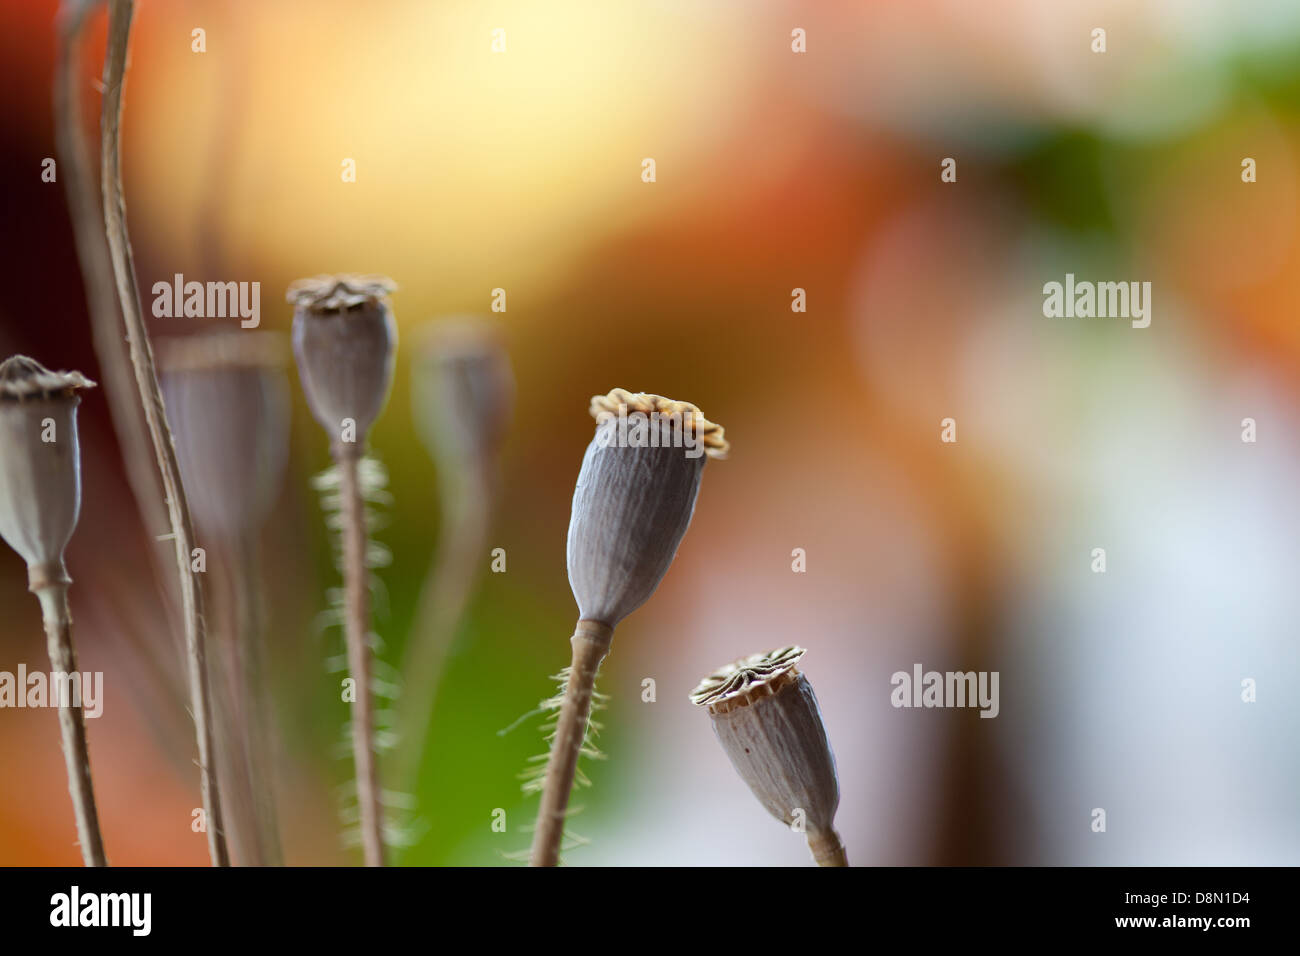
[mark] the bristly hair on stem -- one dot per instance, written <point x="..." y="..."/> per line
<point x="120" y="13"/>
<point x="396" y="806"/>
<point x="533" y="776"/>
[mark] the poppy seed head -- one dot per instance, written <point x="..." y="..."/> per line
<point x="345" y="344"/>
<point x="40" y="460"/>
<point x="227" y="400"/>
<point x="23" y="378"/>
<point x="741" y="683"/>
<point x="765" y="716"/>
<point x="633" y="502"/>
<point x="463" y="391"/>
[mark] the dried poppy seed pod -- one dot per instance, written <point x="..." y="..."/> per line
<point x="345" y="345"/>
<point x="634" y="499"/>
<point x="40" y="463"/>
<point x="228" y="401"/>
<point x="766" y="717"/>
<point x="462" y="395"/>
<point x="40" y="500"/>
<point x="462" y="392"/>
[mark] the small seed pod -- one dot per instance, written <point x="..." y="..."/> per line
<point x="462" y="392"/>
<point x="40" y="461"/>
<point x="228" y="402"/>
<point x="345" y="344"/>
<point x="634" y="499"/>
<point x="766" y="717"/>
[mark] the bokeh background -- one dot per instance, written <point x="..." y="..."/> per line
<point x="775" y="170"/>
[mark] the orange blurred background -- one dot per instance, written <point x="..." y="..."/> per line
<point x="775" y="171"/>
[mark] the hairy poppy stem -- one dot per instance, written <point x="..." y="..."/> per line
<point x="51" y="586"/>
<point x="590" y="645"/>
<point x="357" y="589"/>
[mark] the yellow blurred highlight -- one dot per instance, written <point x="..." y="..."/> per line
<point x="466" y="159"/>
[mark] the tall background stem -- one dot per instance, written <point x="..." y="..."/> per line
<point x="111" y="350"/>
<point x="443" y="599"/>
<point x="260" y="739"/>
<point x="182" y="528"/>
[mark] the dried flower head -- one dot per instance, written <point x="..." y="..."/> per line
<point x="228" y="403"/>
<point x="340" y="293"/>
<point x="738" y="684"/>
<point x="345" y="343"/>
<point x="463" y="392"/>
<point x="766" y="717"/>
<point x="634" y="499"/>
<point x="40" y="459"/>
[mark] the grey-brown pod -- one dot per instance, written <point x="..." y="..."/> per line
<point x="228" y="401"/>
<point x="40" y="461"/>
<point x="632" y="505"/>
<point x="462" y="391"/>
<point x="766" y="717"/>
<point x="345" y="346"/>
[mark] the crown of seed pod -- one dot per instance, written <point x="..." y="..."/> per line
<point x="766" y="717"/>
<point x="345" y="344"/>
<point x="634" y="501"/>
<point x="227" y="399"/>
<point x="463" y="391"/>
<point x="40" y="461"/>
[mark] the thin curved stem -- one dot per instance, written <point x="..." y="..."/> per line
<point x="146" y="379"/>
<point x="111" y="350"/>
<point x="590" y="645"/>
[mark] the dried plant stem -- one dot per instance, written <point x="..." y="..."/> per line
<point x="590" y="645"/>
<point x="443" y="598"/>
<point x="827" y="848"/>
<point x="146" y="378"/>
<point x="357" y="603"/>
<point x="236" y="690"/>
<point x="260" y="736"/>
<point x="234" y="762"/>
<point x="111" y="348"/>
<point x="50" y="584"/>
